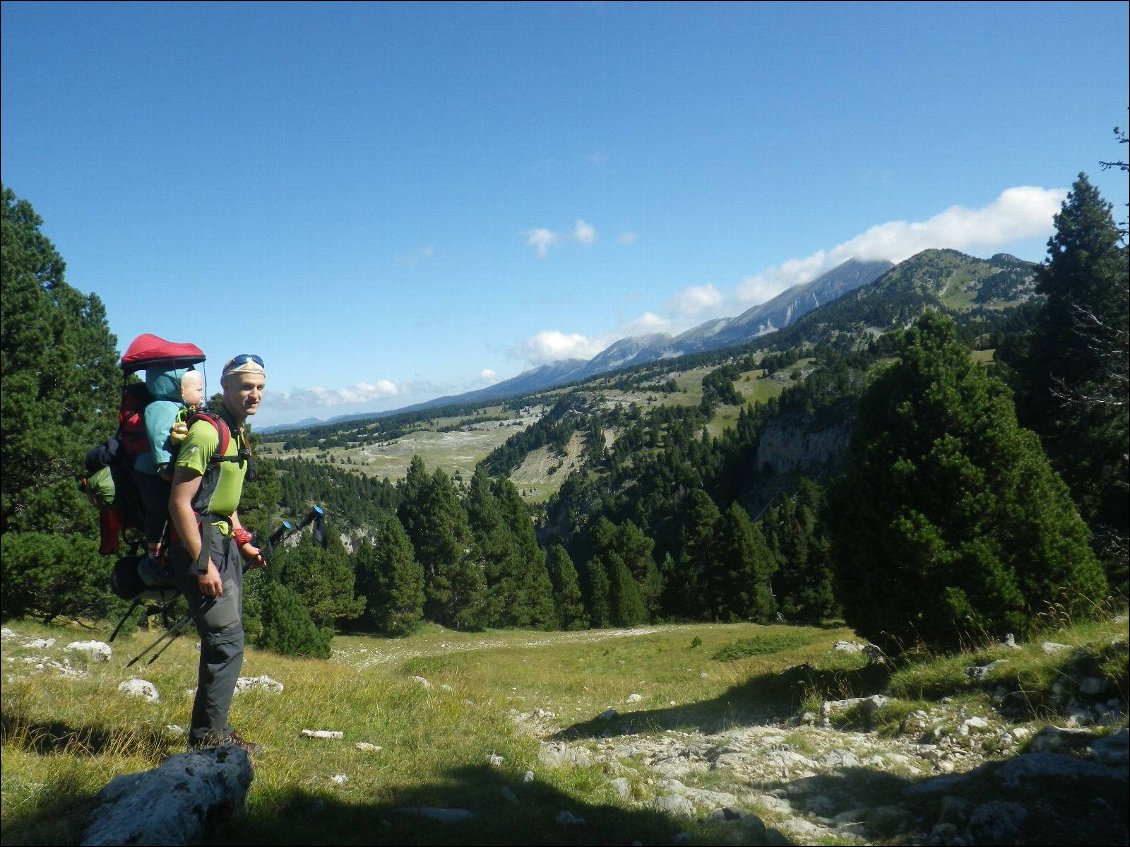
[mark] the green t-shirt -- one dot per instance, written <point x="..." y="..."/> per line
<point x="223" y="481"/>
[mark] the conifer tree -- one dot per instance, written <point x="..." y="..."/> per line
<point x="286" y="624"/>
<point x="696" y="555"/>
<point x="949" y="523"/>
<point x="50" y="575"/>
<point x="493" y="551"/>
<point x="735" y="584"/>
<point x="59" y="382"/>
<point x="597" y="591"/>
<point x="804" y="582"/>
<point x="391" y="579"/>
<point x="626" y="600"/>
<point x="1075" y="392"/>
<point x="322" y="578"/>
<point x="566" y="589"/>
<point x="531" y="579"/>
<point x="436" y="522"/>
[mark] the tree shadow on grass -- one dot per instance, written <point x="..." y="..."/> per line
<point x="762" y="699"/>
<point x="476" y="811"/>
<point x="48" y="737"/>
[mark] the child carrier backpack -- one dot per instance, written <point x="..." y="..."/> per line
<point x="107" y="478"/>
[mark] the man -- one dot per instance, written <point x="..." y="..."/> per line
<point x="207" y="563"/>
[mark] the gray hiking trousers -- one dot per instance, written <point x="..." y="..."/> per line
<point x="219" y="621"/>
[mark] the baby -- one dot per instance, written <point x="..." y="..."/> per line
<point x="175" y="392"/>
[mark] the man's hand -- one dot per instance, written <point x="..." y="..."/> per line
<point x="252" y="555"/>
<point x="209" y="583"/>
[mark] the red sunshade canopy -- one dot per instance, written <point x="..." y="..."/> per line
<point x="147" y="350"/>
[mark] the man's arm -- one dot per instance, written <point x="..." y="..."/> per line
<point x="186" y="482"/>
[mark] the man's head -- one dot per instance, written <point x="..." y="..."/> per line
<point x="243" y="381"/>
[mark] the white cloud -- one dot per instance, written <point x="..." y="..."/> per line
<point x="359" y="392"/>
<point x="1018" y="213"/>
<point x="487" y="375"/>
<point x="584" y="233"/>
<point x="596" y="158"/>
<point x="628" y="238"/>
<point x="541" y="240"/>
<point x="646" y="324"/>
<point x="552" y="346"/>
<point x="694" y="301"/>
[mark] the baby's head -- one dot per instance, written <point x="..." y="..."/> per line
<point x="192" y="388"/>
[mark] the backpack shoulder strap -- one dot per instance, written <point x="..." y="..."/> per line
<point x="224" y="432"/>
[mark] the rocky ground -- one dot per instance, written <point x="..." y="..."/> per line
<point x="946" y="778"/>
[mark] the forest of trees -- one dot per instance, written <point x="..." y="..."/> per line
<point x="957" y="512"/>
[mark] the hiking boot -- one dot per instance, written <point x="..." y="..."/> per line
<point x="219" y="739"/>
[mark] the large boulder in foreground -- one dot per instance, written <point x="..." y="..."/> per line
<point x="171" y="803"/>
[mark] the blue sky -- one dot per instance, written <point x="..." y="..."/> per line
<point x="393" y="202"/>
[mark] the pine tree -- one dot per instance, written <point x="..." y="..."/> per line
<point x="626" y="600"/>
<point x="696" y="556"/>
<point x="494" y="551"/>
<point x="804" y="583"/>
<point x="736" y="585"/>
<point x="391" y="579"/>
<point x="635" y="549"/>
<point x="566" y="589"/>
<point x="50" y="575"/>
<point x="323" y="578"/>
<point x="436" y="523"/>
<point x="1075" y="393"/>
<point x="948" y="522"/>
<point x="597" y="591"/>
<point x="59" y="384"/>
<point x="286" y="624"/>
<point x="532" y="583"/>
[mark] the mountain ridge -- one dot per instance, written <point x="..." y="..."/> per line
<point x="864" y="295"/>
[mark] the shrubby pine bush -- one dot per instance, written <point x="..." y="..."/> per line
<point x="949" y="522"/>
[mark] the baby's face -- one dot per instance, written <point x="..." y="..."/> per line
<point x="192" y="389"/>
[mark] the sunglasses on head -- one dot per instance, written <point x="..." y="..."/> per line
<point x="243" y="359"/>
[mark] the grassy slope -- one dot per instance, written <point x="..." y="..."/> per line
<point x="64" y="738"/>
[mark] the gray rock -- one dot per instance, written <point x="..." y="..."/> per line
<point x="674" y="804"/>
<point x="140" y="688"/>
<point x="996" y="822"/>
<point x="258" y="683"/>
<point x="172" y="803"/>
<point x="97" y="651"/>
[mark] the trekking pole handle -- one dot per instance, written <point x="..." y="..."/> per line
<point x="278" y="535"/>
<point x="315" y="512"/>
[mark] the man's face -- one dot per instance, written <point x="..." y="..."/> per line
<point x="243" y="392"/>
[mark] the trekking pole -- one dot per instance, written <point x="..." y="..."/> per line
<point x="172" y="633"/>
<point x="175" y="632"/>
<point x="118" y="628"/>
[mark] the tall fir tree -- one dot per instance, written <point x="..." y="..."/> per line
<point x="626" y="600"/>
<point x="531" y="579"/>
<point x="1074" y="394"/>
<point x="696" y="556"/>
<point x="436" y="522"/>
<point x="567" y="596"/>
<point x="59" y="382"/>
<point x="736" y="584"/>
<point x="597" y="591"/>
<point x="391" y="579"/>
<point x="804" y="584"/>
<point x="949" y="524"/>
